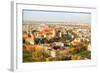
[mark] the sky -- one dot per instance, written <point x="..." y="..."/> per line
<point x="51" y="16"/>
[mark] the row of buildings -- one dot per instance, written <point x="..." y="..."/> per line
<point x="56" y="30"/>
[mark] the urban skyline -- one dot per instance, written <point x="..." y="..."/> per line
<point x="56" y="36"/>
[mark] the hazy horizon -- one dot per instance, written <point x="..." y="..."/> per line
<point x="49" y="16"/>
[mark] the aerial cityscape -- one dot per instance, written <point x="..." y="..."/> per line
<point x="45" y="41"/>
<point x="56" y="42"/>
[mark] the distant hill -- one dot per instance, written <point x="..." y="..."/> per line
<point x="44" y="22"/>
